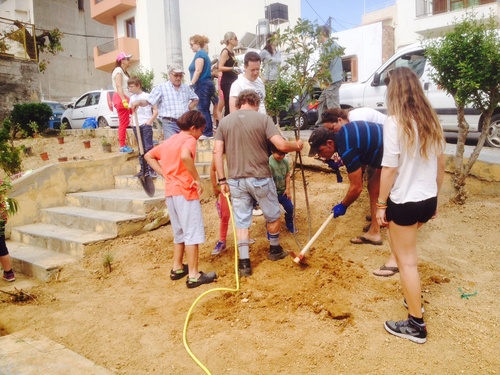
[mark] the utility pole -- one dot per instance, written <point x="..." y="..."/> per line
<point x="173" y="32"/>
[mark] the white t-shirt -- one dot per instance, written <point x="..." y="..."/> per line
<point x="119" y="70"/>
<point x="367" y="114"/>
<point x="416" y="177"/>
<point x="143" y="113"/>
<point x="243" y="83"/>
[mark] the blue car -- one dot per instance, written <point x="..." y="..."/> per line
<point x="57" y="111"/>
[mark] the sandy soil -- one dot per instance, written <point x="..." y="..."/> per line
<point x="323" y="319"/>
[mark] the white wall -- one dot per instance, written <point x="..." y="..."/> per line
<point x="365" y="42"/>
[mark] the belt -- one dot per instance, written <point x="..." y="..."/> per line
<point x="169" y="119"/>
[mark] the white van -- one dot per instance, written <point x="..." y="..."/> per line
<point x="371" y="93"/>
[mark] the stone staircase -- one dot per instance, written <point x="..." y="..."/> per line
<point x="88" y="220"/>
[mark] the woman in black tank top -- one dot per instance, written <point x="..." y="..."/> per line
<point x="227" y="62"/>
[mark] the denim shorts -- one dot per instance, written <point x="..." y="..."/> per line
<point x="244" y="191"/>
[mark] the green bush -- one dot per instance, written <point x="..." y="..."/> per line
<point x="26" y="114"/>
<point x="10" y="156"/>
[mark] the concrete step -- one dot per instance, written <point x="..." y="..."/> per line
<point x="203" y="169"/>
<point x="58" y="238"/>
<point x="37" y="262"/>
<point x="123" y="199"/>
<point x="116" y="223"/>
<point x="203" y="156"/>
<point x="131" y="182"/>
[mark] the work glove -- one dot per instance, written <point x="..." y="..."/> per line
<point x="125" y="104"/>
<point x="335" y="165"/>
<point x="339" y="210"/>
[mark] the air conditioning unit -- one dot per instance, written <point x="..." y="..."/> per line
<point x="277" y="13"/>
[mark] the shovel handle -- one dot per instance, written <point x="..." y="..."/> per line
<point x="316" y="235"/>
<point x="138" y="131"/>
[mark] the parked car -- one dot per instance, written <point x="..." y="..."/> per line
<point x="97" y="104"/>
<point x="308" y="111"/>
<point x="57" y="111"/>
<point x="372" y="94"/>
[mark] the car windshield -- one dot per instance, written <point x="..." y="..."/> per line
<point x="56" y="106"/>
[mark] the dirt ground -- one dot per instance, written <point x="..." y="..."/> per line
<point x="323" y="319"/>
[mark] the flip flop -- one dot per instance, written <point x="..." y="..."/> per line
<point x="386" y="271"/>
<point x="363" y="240"/>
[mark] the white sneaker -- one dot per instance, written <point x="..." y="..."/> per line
<point x="257" y="212"/>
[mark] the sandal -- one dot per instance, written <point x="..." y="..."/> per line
<point x="205" y="278"/>
<point x="386" y="271"/>
<point x="179" y="274"/>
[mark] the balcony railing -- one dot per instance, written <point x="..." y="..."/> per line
<point x="431" y="7"/>
<point x="18" y="40"/>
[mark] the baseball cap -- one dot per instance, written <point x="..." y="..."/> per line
<point x="122" y="55"/>
<point x="175" y="68"/>
<point x="318" y="138"/>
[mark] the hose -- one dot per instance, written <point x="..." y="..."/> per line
<point x="186" y="323"/>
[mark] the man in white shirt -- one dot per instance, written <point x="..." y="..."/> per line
<point x="249" y="80"/>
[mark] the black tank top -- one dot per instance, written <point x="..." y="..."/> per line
<point x="230" y="62"/>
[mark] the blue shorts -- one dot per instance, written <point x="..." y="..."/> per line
<point x="410" y="213"/>
<point x="244" y="191"/>
<point x="186" y="220"/>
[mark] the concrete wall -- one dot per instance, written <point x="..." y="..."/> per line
<point x="19" y="83"/>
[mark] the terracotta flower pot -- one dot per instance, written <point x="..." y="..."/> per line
<point x="61" y="159"/>
<point x="60" y="140"/>
<point x="86" y="144"/>
<point x="44" y="156"/>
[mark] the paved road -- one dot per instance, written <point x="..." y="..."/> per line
<point x="488" y="154"/>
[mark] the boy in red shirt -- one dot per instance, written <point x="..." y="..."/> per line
<point x="182" y="192"/>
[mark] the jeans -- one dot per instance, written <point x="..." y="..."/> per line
<point x="205" y="90"/>
<point x="147" y="144"/>
<point x="328" y="99"/>
<point x="287" y="205"/>
<point x="170" y="128"/>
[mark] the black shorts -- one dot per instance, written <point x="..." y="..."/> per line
<point x="410" y="213"/>
<point x="3" y="247"/>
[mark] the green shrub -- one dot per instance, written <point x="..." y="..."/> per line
<point x="10" y="156"/>
<point x="24" y="114"/>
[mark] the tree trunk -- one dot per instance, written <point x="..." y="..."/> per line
<point x="459" y="175"/>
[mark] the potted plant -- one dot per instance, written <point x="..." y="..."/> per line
<point x="62" y="133"/>
<point x="106" y="146"/>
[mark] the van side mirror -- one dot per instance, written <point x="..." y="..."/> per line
<point x="376" y="79"/>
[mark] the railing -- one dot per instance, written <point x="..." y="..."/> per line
<point x="107" y="47"/>
<point x="18" y="40"/>
<point x="431" y="7"/>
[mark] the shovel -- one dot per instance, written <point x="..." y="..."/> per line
<point x="146" y="180"/>
<point x="299" y="259"/>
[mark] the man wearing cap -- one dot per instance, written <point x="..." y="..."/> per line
<point x="173" y="98"/>
<point x="359" y="144"/>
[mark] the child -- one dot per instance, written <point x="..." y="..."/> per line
<point x="182" y="192"/>
<point x="222" y="209"/>
<point x="281" y="176"/>
<point x="146" y="115"/>
<point x="8" y="206"/>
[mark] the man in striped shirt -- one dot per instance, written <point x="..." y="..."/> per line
<point x="359" y="144"/>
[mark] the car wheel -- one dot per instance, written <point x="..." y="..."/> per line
<point x="493" y="137"/>
<point x="66" y="123"/>
<point x="302" y="122"/>
<point x="102" y="123"/>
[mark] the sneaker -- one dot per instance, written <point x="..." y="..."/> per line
<point x="406" y="305"/>
<point x="220" y="246"/>
<point x="9" y="276"/>
<point x="407" y="329"/>
<point x="205" y="278"/>
<point x="244" y="267"/>
<point x="126" y="150"/>
<point x="179" y="274"/>
<point x="276" y="253"/>
<point x="256" y="212"/>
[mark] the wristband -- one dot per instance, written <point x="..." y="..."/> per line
<point x="222" y="183"/>
<point x="381" y="206"/>
<point x="381" y="202"/>
<point x="222" y="179"/>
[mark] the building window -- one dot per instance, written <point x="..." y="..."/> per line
<point x="441" y="6"/>
<point x="80" y="5"/>
<point x="350" y="68"/>
<point x="130" y="24"/>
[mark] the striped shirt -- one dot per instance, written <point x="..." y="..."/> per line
<point x="171" y="102"/>
<point x="360" y="143"/>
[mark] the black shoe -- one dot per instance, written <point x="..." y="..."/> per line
<point x="276" y="253"/>
<point x="179" y="274"/>
<point x="244" y="267"/>
<point x="407" y="329"/>
<point x="205" y="278"/>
